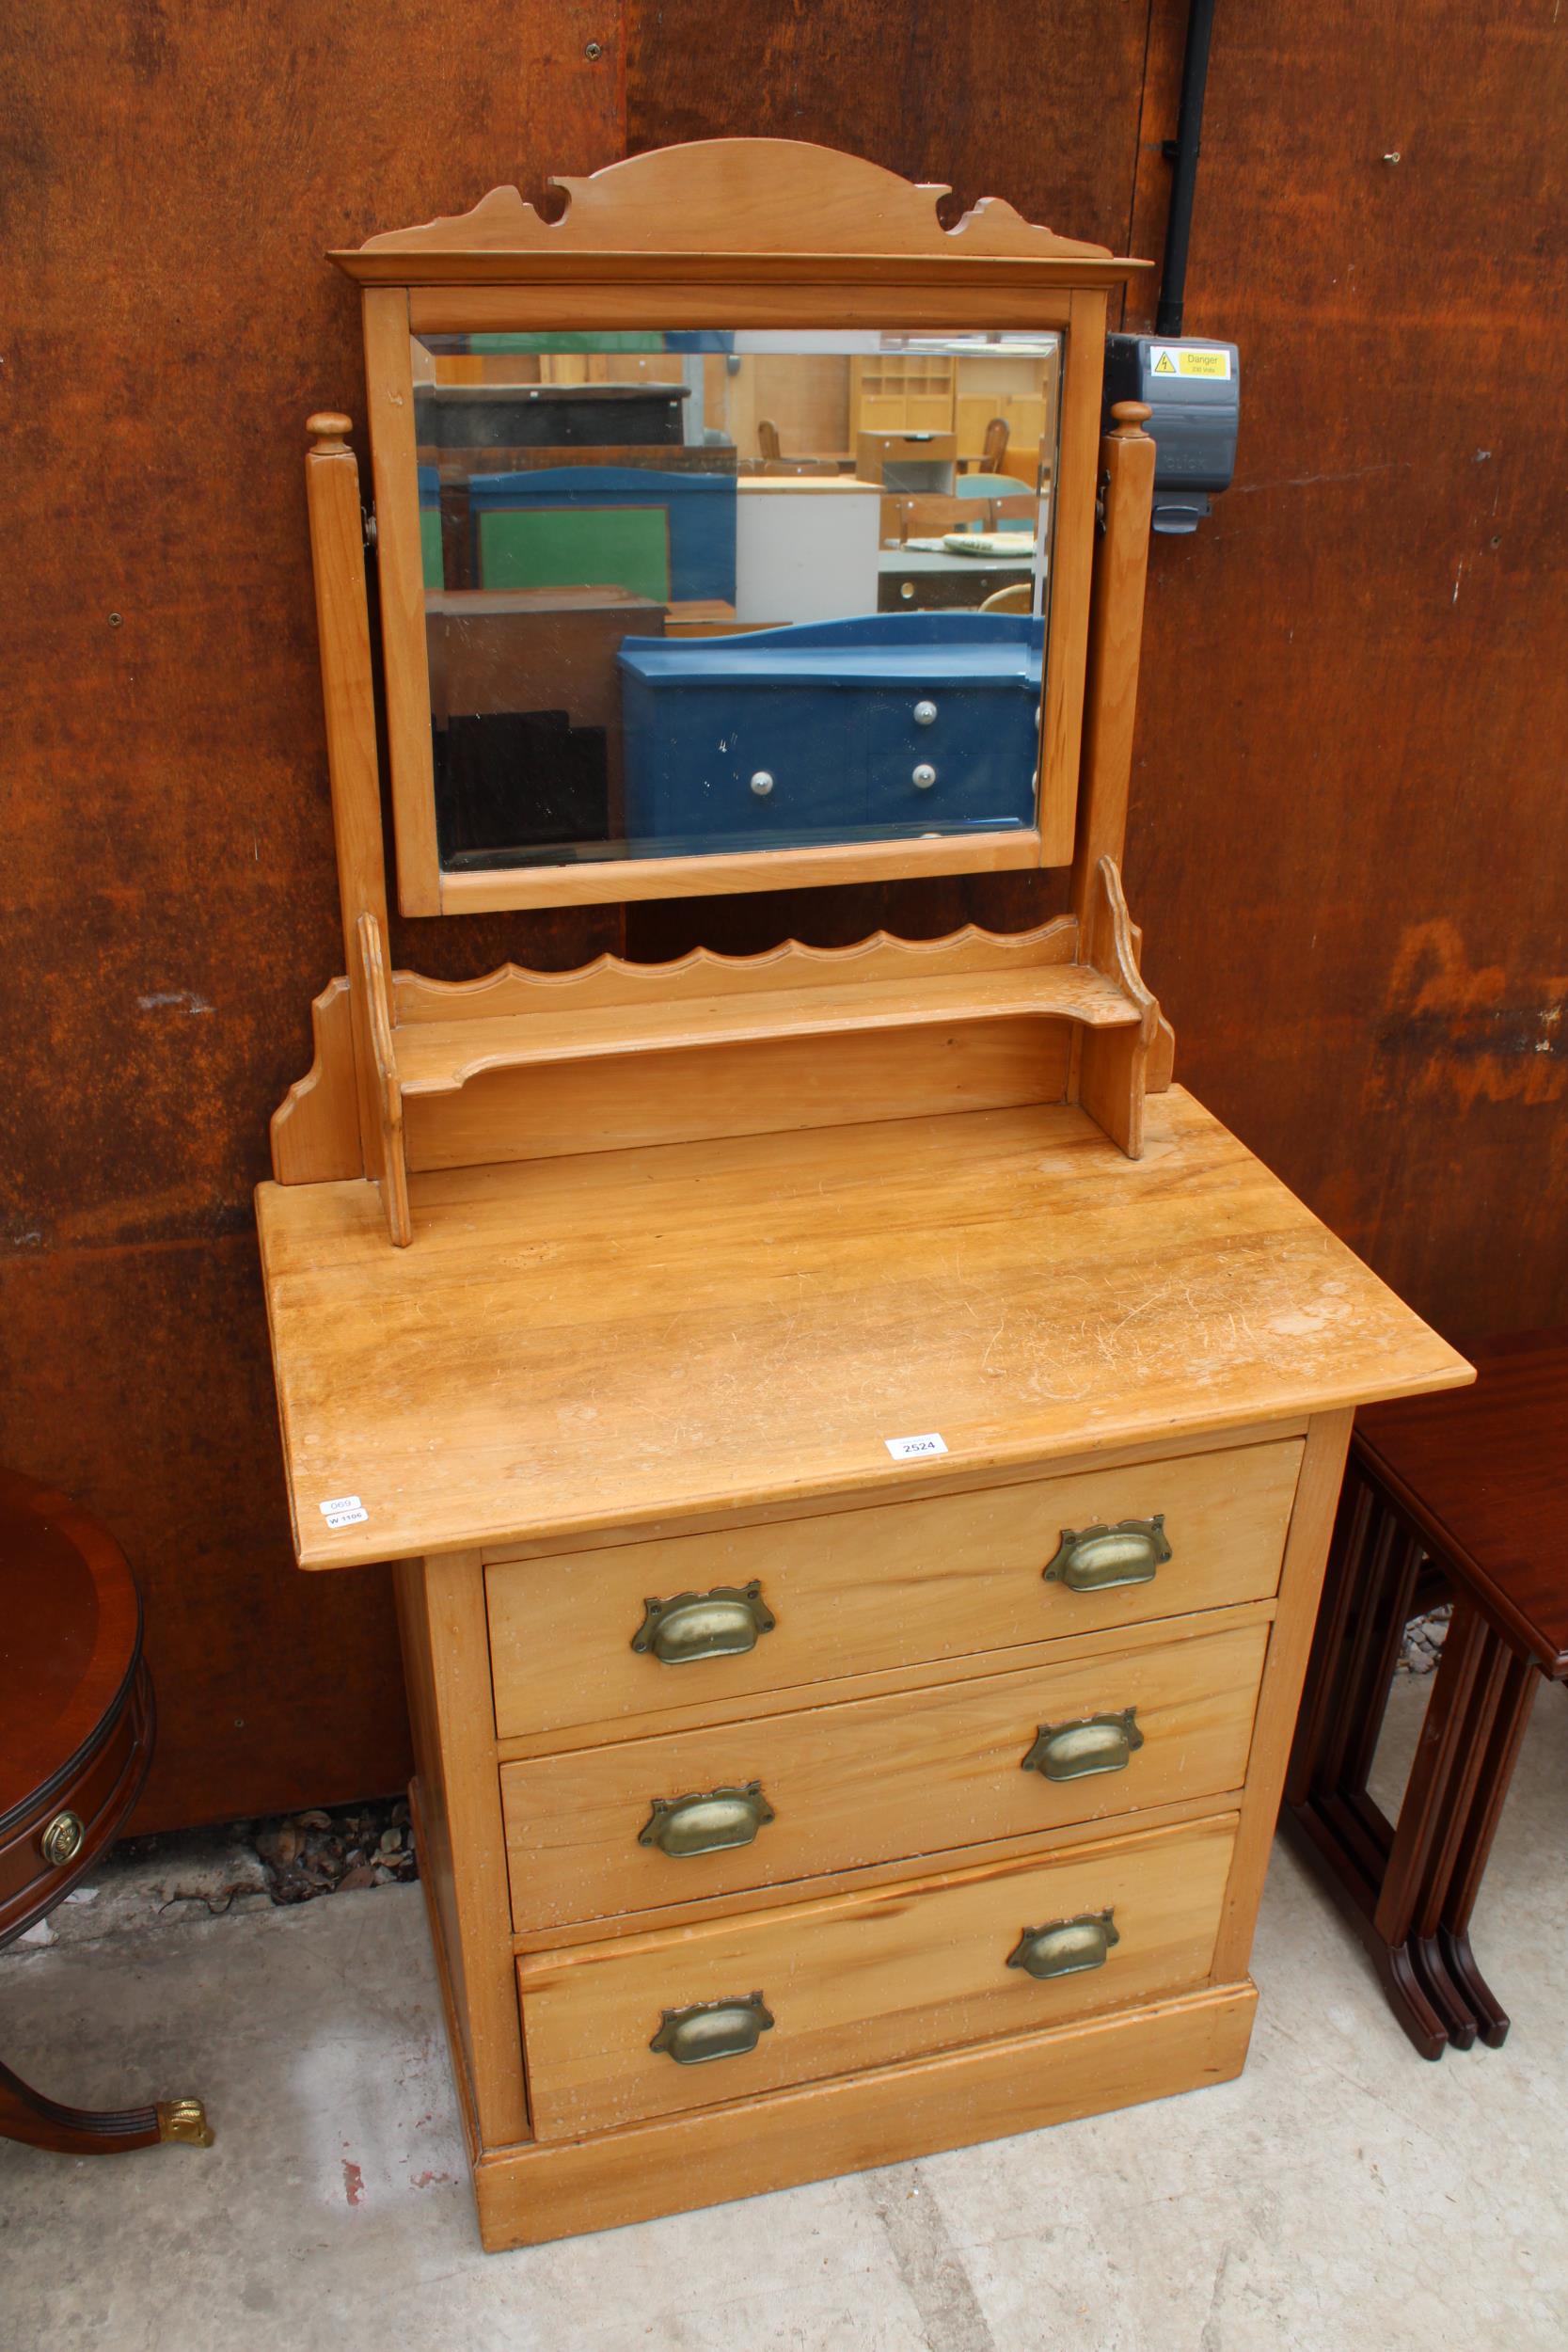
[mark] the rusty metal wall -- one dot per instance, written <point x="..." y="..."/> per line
<point x="176" y="174"/>
<point x="1350" y="823"/>
<point x="1350" y="836"/>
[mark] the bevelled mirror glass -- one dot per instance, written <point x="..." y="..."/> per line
<point x="698" y="592"/>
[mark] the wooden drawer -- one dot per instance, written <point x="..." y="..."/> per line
<point x="874" y="1780"/>
<point x="900" y="1584"/>
<point x="100" y="1792"/>
<point x="867" y="1980"/>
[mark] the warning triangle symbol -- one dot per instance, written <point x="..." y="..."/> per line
<point x="1165" y="365"/>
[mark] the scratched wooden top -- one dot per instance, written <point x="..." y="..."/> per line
<point x="636" y="1335"/>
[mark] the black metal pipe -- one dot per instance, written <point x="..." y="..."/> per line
<point x="1183" y="152"/>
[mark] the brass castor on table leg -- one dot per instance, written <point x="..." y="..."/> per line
<point x="185" y="2119"/>
<point x="27" y="2115"/>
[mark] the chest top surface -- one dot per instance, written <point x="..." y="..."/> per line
<point x="613" y="1338"/>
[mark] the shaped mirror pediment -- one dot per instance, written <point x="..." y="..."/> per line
<point x="735" y="530"/>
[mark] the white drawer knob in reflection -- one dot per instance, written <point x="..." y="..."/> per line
<point x="762" y="784"/>
<point x="925" y="776"/>
<point x="925" y="714"/>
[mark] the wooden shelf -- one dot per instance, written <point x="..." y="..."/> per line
<point x="428" y="1039"/>
<point x="440" y="1056"/>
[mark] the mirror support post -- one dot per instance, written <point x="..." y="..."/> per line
<point x="343" y="619"/>
<point x="1115" y="637"/>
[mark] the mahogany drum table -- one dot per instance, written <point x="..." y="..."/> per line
<point x="77" y="1720"/>
<point x="1470" y="1488"/>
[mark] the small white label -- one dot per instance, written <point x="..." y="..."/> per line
<point x="346" y="1518"/>
<point x="910" y="1449"/>
<point x="342" y="1503"/>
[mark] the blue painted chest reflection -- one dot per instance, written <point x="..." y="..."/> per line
<point x="888" y="723"/>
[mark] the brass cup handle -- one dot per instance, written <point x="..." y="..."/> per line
<point x="1066" y="1946"/>
<point x="1095" y="1743"/>
<point x="723" y="1623"/>
<point x="712" y="2029"/>
<point x="709" y="1823"/>
<point x="62" y="1840"/>
<point x="1098" y="1559"/>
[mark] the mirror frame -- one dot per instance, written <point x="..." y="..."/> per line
<point x="725" y="233"/>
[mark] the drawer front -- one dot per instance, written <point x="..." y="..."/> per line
<point x="821" y="1989"/>
<point x="597" y="1832"/>
<point x="692" y="757"/>
<point x="99" y="1796"/>
<point x="975" y="761"/>
<point x="901" y="1585"/>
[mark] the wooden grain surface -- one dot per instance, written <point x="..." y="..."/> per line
<point x="724" y="873"/>
<point x="866" y="1979"/>
<point x="1033" y="1845"/>
<point x="446" y="1658"/>
<point x="566" y="1107"/>
<point x="440" y="1056"/>
<point x="1300" y="1586"/>
<point x="895" y="1585"/>
<point x="589" y="1342"/>
<point x="1021" y="2083"/>
<point x="718" y="197"/>
<point x="926" y="1771"/>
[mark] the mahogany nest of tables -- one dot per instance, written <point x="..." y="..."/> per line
<point x="1467" y="1490"/>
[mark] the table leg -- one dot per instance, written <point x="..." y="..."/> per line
<point x="1409" y="1903"/>
<point x="1329" y="1810"/>
<point x="1473" y="1847"/>
<point x="27" y="2115"/>
<point x="1409" y="1888"/>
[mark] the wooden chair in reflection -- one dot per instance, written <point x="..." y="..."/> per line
<point x="773" y="461"/>
<point x="992" y="504"/>
<point x="993" y="451"/>
<point x="1019" y="597"/>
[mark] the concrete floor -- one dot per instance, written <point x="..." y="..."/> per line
<point x="1343" y="2194"/>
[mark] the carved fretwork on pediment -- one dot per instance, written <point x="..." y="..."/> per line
<point x="729" y="196"/>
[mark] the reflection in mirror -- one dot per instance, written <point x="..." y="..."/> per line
<point x="710" y="591"/>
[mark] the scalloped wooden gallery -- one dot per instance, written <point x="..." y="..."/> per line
<point x="859" y="1443"/>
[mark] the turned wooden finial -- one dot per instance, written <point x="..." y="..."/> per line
<point x="1131" y="417"/>
<point x="328" y="429"/>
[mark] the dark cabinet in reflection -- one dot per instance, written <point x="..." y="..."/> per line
<point x="525" y="710"/>
<point x="562" y="416"/>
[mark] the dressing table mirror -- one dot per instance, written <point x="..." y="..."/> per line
<point x="652" y="635"/>
<point x="857" y="1443"/>
<point x="610" y="452"/>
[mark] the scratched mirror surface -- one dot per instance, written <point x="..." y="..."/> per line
<point x="712" y="590"/>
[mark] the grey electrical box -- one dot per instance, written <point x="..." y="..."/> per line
<point x="1194" y="390"/>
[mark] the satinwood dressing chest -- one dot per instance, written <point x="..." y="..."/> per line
<point x="858" y="1443"/>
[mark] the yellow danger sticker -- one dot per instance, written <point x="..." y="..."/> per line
<point x="1171" y="359"/>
